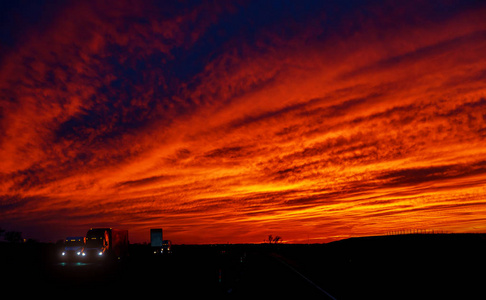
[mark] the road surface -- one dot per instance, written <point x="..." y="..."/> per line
<point x="381" y="268"/>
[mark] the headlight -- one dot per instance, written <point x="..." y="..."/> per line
<point x="78" y="253"/>
<point x="101" y="253"/>
<point x="64" y="253"/>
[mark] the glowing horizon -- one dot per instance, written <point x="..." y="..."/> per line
<point x="228" y="122"/>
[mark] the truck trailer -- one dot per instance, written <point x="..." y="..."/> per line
<point x="156" y="239"/>
<point x="106" y="243"/>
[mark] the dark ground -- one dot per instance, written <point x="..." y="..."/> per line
<point x="440" y="266"/>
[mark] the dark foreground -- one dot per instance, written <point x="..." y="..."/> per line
<point x="391" y="267"/>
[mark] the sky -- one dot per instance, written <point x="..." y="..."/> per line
<point x="229" y="121"/>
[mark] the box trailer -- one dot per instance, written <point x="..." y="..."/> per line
<point x="156" y="240"/>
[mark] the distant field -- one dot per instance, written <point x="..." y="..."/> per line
<point x="388" y="267"/>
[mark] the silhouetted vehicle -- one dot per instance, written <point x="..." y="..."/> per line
<point x="156" y="240"/>
<point x="106" y="243"/>
<point x="73" y="247"/>
<point x="166" y="247"/>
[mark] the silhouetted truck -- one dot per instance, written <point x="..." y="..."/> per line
<point x="166" y="247"/>
<point x="106" y="243"/>
<point x="73" y="247"/>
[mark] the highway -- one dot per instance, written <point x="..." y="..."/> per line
<point x="384" y="268"/>
<point x="214" y="272"/>
<point x="270" y="276"/>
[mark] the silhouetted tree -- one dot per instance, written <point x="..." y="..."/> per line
<point x="274" y="240"/>
<point x="13" y="236"/>
<point x="270" y="238"/>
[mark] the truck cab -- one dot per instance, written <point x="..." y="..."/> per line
<point x="97" y="243"/>
<point x="166" y="247"/>
<point x="73" y="247"/>
<point x="106" y="242"/>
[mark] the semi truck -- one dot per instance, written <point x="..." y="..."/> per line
<point x="106" y="243"/>
<point x="73" y="247"/>
<point x="159" y="245"/>
<point x="166" y="247"/>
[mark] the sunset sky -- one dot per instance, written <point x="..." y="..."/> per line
<point x="228" y="121"/>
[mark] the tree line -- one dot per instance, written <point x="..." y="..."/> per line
<point x="11" y="236"/>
